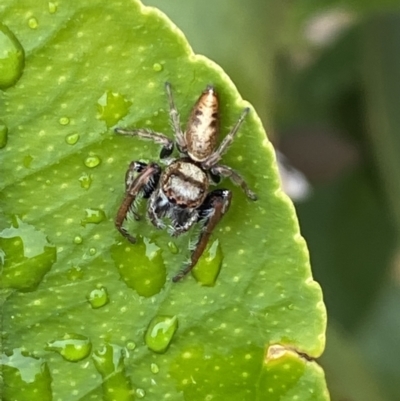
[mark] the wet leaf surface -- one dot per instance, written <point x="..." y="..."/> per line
<point x="87" y="69"/>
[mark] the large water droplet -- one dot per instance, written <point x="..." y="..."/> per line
<point x="209" y="265"/>
<point x="109" y="362"/>
<point x="92" y="161"/>
<point x="12" y="58"/>
<point x="111" y="107"/>
<point x="86" y="180"/>
<point x="141" y="266"/>
<point x="160" y="332"/>
<point x="72" y="347"/>
<point x="72" y="139"/>
<point x="140" y="393"/>
<point x="3" y="134"/>
<point x="26" y="256"/>
<point x="98" y="297"/>
<point x="93" y="216"/>
<point x="26" y="378"/>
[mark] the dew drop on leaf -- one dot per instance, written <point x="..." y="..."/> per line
<point x="140" y="265"/>
<point x="72" y="139"/>
<point x="92" y="251"/>
<point x="78" y="240"/>
<point x="111" y="107"/>
<point x="75" y="273"/>
<point x="109" y="362"/>
<point x="140" y="393"/>
<point x="85" y="180"/>
<point x="27" y="160"/>
<point x="12" y="58"/>
<point x="209" y="265"/>
<point x="72" y="347"/>
<point x="27" y="378"/>
<point x="92" y="161"/>
<point x="98" y="297"/>
<point x="26" y="256"/>
<point x="154" y="368"/>
<point x="160" y="332"/>
<point x="131" y="345"/>
<point x="33" y="23"/>
<point x="52" y="7"/>
<point x="3" y="134"/>
<point x="157" y="67"/>
<point x="64" y="120"/>
<point x="93" y="216"/>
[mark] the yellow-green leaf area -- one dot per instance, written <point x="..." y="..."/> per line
<point x="91" y="67"/>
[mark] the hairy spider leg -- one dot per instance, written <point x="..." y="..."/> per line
<point x="211" y="212"/>
<point x="147" y="134"/>
<point x="145" y="184"/>
<point x="236" y="178"/>
<point x="175" y="120"/>
<point x="216" y="156"/>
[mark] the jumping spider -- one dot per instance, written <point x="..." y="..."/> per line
<point x="180" y="191"/>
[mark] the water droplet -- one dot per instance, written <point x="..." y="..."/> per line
<point x="160" y="332"/>
<point x="111" y="107"/>
<point x="86" y="180"/>
<point x="72" y="139"/>
<point x="27" y="378"/>
<point x="172" y="247"/>
<point x="131" y="345"/>
<point x="157" y="67"/>
<point x="140" y="393"/>
<point x="93" y="216"/>
<point x="154" y="368"/>
<point x="141" y="266"/>
<point x="72" y="347"/>
<point x="27" y="160"/>
<point x="209" y="265"/>
<point x="75" y="273"/>
<point x="78" y="240"/>
<point x="27" y="256"/>
<point x="92" y="161"/>
<point x="12" y="58"/>
<point x="92" y="251"/>
<point x="3" y="134"/>
<point x="109" y="362"/>
<point x="33" y="23"/>
<point x="52" y="7"/>
<point x="98" y="297"/>
<point x="64" y="120"/>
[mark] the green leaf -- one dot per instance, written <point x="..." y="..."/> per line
<point x="88" y="68"/>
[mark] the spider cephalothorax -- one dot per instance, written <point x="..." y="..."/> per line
<point x="179" y="193"/>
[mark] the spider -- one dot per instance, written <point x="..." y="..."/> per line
<point x="180" y="191"/>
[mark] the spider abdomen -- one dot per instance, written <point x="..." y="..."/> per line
<point x="202" y="129"/>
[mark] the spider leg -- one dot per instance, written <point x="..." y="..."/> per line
<point x="211" y="211"/>
<point x="147" y="134"/>
<point x="226" y="171"/>
<point x="179" y="229"/>
<point x="216" y="156"/>
<point x="144" y="184"/>
<point x="175" y="121"/>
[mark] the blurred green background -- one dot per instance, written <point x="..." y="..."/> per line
<point x="324" y="76"/>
